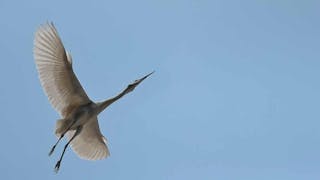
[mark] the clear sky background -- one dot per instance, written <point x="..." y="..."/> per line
<point x="235" y="95"/>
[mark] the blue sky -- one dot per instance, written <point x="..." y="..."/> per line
<point x="235" y="94"/>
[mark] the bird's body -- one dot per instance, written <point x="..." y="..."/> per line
<point x="78" y="117"/>
<point x="78" y="113"/>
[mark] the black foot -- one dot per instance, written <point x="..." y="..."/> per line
<point x="56" y="168"/>
<point x="52" y="149"/>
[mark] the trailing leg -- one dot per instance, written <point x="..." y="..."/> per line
<point x="54" y="146"/>
<point x="78" y="130"/>
<point x="62" y="127"/>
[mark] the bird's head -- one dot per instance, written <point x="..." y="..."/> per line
<point x="135" y="83"/>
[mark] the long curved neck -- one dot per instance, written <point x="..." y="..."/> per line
<point x="104" y="104"/>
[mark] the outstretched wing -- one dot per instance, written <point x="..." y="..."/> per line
<point x="54" y="66"/>
<point x="89" y="144"/>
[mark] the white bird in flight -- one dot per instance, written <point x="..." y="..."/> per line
<point x="78" y="113"/>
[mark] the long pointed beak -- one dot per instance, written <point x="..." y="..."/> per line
<point x="138" y="81"/>
<point x="135" y="83"/>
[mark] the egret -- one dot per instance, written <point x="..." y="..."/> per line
<point x="78" y="113"/>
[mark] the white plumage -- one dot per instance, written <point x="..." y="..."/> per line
<point x="90" y="143"/>
<point x="55" y="71"/>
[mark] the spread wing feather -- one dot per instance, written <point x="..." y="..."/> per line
<point x="54" y="66"/>
<point x="89" y="144"/>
